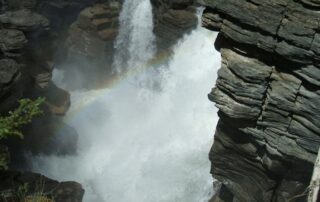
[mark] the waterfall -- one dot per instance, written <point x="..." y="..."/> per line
<point x="135" y="44"/>
<point x="140" y="144"/>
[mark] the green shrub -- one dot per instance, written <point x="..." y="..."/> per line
<point x="11" y="124"/>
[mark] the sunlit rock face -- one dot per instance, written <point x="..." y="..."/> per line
<point x="267" y="92"/>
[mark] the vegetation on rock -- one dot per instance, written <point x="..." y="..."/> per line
<point x="11" y="124"/>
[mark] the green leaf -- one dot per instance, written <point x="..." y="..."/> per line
<point x="11" y="125"/>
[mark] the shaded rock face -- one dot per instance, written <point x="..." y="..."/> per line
<point x="97" y="25"/>
<point x="26" y="61"/>
<point x="172" y="20"/>
<point x="17" y="186"/>
<point x="90" y="45"/>
<point x="90" y="41"/>
<point x="267" y="92"/>
<point x="10" y="76"/>
<point x="29" y="36"/>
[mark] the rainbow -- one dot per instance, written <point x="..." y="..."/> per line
<point x="158" y="60"/>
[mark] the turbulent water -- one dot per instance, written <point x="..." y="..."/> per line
<point x="135" y="42"/>
<point x="141" y="144"/>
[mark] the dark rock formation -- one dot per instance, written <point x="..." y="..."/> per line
<point x="10" y="77"/>
<point x="27" y="58"/>
<point x="26" y="61"/>
<point x="91" y="37"/>
<point x="90" y="45"/>
<point x="268" y="95"/>
<point x="17" y="186"/>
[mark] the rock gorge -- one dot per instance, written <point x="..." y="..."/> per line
<point x="268" y="87"/>
<point x="37" y="36"/>
<point x="267" y="92"/>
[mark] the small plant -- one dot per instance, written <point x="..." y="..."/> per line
<point x="24" y="194"/>
<point x="38" y="196"/>
<point x="37" y="199"/>
<point x="22" y="191"/>
<point x="11" y="124"/>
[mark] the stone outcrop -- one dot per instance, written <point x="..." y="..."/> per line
<point x="268" y="96"/>
<point x="90" y="45"/>
<point x="91" y="33"/>
<point x="27" y="58"/>
<point x="17" y="186"/>
<point x="26" y="63"/>
<point x="172" y="20"/>
<point x="25" y="55"/>
<point x="91" y="37"/>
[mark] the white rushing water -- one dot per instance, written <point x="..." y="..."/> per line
<point x="135" y="42"/>
<point x="138" y="144"/>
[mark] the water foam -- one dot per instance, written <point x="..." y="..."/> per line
<point x="135" y="43"/>
<point x="142" y="144"/>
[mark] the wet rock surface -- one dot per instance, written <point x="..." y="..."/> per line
<point x="267" y="92"/>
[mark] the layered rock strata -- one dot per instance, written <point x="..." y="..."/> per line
<point x="27" y="59"/>
<point x="91" y="37"/>
<point x="90" y="45"/>
<point x="268" y="94"/>
<point x="172" y="20"/>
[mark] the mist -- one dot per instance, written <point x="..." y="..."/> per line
<point x="146" y="136"/>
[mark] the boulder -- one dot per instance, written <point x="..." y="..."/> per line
<point x="26" y="186"/>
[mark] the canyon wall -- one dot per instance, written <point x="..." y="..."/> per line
<point x="268" y="95"/>
<point x="31" y="33"/>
